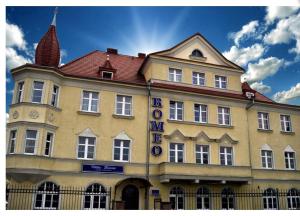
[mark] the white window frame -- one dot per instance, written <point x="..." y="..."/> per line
<point x="121" y="150"/>
<point x="264" y="157"/>
<point x="108" y="72"/>
<point x="33" y="89"/>
<point x="51" y="144"/>
<point x="21" y="98"/>
<point x="10" y="141"/>
<point x="123" y="102"/>
<point x="285" y="122"/>
<point x="260" y="116"/>
<point x="291" y="198"/>
<point x="272" y="197"/>
<point x="176" y="72"/>
<point x="36" y="141"/>
<point x="44" y="193"/>
<point x="177" y="196"/>
<point x="203" y="196"/>
<point x="223" y="115"/>
<point x="289" y="160"/>
<point x="219" y="81"/>
<point x="56" y="95"/>
<point x="176" y="152"/>
<point x="225" y="155"/>
<point x="197" y="76"/>
<point x="200" y="113"/>
<point x="176" y="110"/>
<point x="86" y="145"/>
<point x="90" y="98"/>
<point x="92" y="196"/>
<point x="201" y="152"/>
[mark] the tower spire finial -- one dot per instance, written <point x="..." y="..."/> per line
<point x="54" y="17"/>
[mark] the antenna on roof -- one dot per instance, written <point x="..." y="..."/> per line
<point x="54" y="17"/>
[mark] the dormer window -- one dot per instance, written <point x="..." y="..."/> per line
<point x="197" y="53"/>
<point x="107" y="75"/>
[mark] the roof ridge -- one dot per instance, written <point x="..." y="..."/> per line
<point x="77" y="59"/>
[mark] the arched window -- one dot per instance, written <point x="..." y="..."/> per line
<point x="293" y="199"/>
<point x="270" y="199"/>
<point x="197" y="53"/>
<point x="227" y="198"/>
<point x="203" y="198"/>
<point x="177" y="198"/>
<point x="47" y="196"/>
<point x="95" y="197"/>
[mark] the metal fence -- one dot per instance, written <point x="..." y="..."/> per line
<point x="52" y="197"/>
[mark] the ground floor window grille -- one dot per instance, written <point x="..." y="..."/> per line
<point x="47" y="196"/>
<point x="293" y="199"/>
<point x="95" y="197"/>
<point x="227" y="199"/>
<point x="203" y="198"/>
<point x="177" y="198"/>
<point x="270" y="199"/>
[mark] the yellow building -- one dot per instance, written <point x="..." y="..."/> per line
<point x="173" y="129"/>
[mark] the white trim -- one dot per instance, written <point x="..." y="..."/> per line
<point x="121" y="150"/>
<point x="36" y="144"/>
<point x="226" y="82"/>
<point x="285" y="123"/>
<point x="225" y="155"/>
<point x="16" y="91"/>
<point x="175" y="70"/>
<point x="200" y="118"/>
<point x="176" y="152"/>
<point x="43" y="91"/>
<point x="201" y="153"/>
<point x="9" y="141"/>
<point x="198" y="78"/>
<point x="51" y="146"/>
<point x="289" y="160"/>
<point x="86" y="145"/>
<point x="57" y="95"/>
<point x="123" y="104"/>
<point x="112" y="75"/>
<point x="176" y="112"/>
<point x="260" y="117"/>
<point x="90" y="101"/>
<point x="265" y="157"/>
<point x="223" y="115"/>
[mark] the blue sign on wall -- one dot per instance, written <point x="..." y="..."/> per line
<point x="102" y="168"/>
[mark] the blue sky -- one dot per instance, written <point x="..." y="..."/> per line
<point x="262" y="40"/>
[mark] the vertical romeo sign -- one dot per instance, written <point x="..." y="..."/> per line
<point x="156" y="126"/>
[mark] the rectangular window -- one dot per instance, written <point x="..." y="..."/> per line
<point x="30" y="141"/>
<point x="175" y="75"/>
<point x="285" y="121"/>
<point x="37" y="92"/>
<point x="20" y="91"/>
<point x="263" y="120"/>
<point x="48" y="144"/>
<point x="226" y="156"/>
<point x="176" y="152"/>
<point x="202" y="154"/>
<point x="267" y="159"/>
<point x="176" y="110"/>
<point x="224" y="116"/>
<point x="198" y="78"/>
<point x="289" y="160"/>
<point x="86" y="147"/>
<point x="12" y="141"/>
<point x="89" y="101"/>
<point x="54" y="98"/>
<point x="107" y="75"/>
<point x="221" y="82"/>
<point x="121" y="150"/>
<point x="124" y="105"/>
<point x="200" y="113"/>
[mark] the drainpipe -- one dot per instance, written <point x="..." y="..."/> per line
<point x="249" y="105"/>
<point x="148" y="146"/>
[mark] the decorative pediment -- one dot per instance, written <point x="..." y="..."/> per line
<point x="266" y="147"/>
<point x="122" y="136"/>
<point x="202" y="138"/>
<point x="289" y="149"/>
<point x="226" y="139"/>
<point x="197" y="48"/>
<point x="87" y="133"/>
<point x="176" y="135"/>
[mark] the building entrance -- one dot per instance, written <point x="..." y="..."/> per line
<point x="130" y="196"/>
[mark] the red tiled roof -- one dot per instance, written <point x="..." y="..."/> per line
<point x="126" y="67"/>
<point x="47" y="52"/>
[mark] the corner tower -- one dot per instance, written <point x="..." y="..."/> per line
<point x="47" y="52"/>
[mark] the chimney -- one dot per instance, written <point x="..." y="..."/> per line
<point x="141" y="55"/>
<point x="112" y="51"/>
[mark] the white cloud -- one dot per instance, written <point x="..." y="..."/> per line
<point x="260" y="87"/>
<point x="13" y="59"/>
<point x="15" y="37"/>
<point x="278" y="12"/>
<point x="285" y="96"/>
<point x="246" y="31"/>
<point x="242" y="56"/>
<point x="7" y="117"/>
<point x="286" y="30"/>
<point x="264" y="68"/>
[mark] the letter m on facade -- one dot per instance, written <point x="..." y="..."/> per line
<point x="157" y="126"/>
